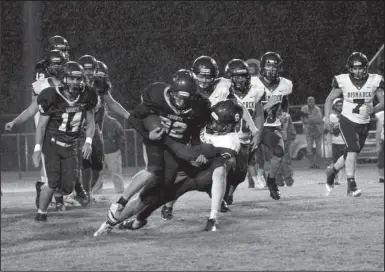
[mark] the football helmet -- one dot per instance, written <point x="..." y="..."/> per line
<point x="59" y="43"/>
<point x="357" y="65"/>
<point x="74" y="78"/>
<point x="55" y="60"/>
<point x="225" y="116"/>
<point x="102" y="69"/>
<point x="183" y="87"/>
<point x="271" y="65"/>
<point x="206" y="71"/>
<point x="239" y="73"/>
<point x="90" y="65"/>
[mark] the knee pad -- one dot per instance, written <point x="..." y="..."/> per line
<point x="278" y="151"/>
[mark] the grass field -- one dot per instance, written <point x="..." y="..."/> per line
<point x="305" y="230"/>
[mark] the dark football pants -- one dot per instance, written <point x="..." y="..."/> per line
<point x="166" y="193"/>
<point x="353" y="134"/>
<point x="61" y="165"/>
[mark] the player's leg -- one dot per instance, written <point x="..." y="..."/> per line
<point x="97" y="159"/>
<point x="272" y="139"/>
<point x="52" y="160"/>
<point x="381" y="162"/>
<point x="69" y="170"/>
<point x="260" y="180"/>
<point x="287" y="166"/>
<point x="116" y="171"/>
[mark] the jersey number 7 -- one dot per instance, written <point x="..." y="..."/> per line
<point x="359" y="102"/>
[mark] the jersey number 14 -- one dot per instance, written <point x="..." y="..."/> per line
<point x="71" y="121"/>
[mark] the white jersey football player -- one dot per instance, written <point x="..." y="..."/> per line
<point x="239" y="87"/>
<point x="363" y="96"/>
<point x="276" y="90"/>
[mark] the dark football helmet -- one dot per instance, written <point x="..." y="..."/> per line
<point x="102" y="69"/>
<point x="55" y="60"/>
<point x="357" y="65"/>
<point x="74" y="77"/>
<point x="59" y="43"/>
<point x="225" y="116"/>
<point x="90" y="65"/>
<point x="239" y="73"/>
<point x="206" y="71"/>
<point x="183" y="87"/>
<point x="271" y="66"/>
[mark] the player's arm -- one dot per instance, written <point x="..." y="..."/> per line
<point x="259" y="117"/>
<point x="27" y="113"/>
<point x="249" y="120"/>
<point x="334" y="93"/>
<point x="115" y="106"/>
<point x="285" y="103"/>
<point x="380" y="98"/>
<point x="39" y="135"/>
<point x="90" y="123"/>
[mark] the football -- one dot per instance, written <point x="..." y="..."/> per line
<point x="152" y="122"/>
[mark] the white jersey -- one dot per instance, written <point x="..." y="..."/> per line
<point x="380" y="117"/>
<point x="354" y="97"/>
<point x="229" y="140"/>
<point x="285" y="87"/>
<point x="249" y="101"/>
<point x="38" y="86"/>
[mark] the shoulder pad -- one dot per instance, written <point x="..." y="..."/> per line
<point x="46" y="100"/>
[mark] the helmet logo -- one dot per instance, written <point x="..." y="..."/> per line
<point x="54" y="59"/>
<point x="75" y="73"/>
<point x="185" y="94"/>
<point x="88" y="65"/>
<point x="357" y="62"/>
<point x="215" y="116"/>
<point x="236" y="117"/>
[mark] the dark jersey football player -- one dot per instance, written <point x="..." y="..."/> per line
<point x="97" y="76"/>
<point x="221" y="146"/>
<point x="63" y="110"/>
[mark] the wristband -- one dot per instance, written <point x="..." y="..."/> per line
<point x="37" y="148"/>
<point x="89" y="140"/>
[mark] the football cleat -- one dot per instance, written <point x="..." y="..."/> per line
<point x="289" y="181"/>
<point x="60" y="207"/>
<point x="260" y="181"/>
<point x="229" y="200"/>
<point x="352" y="189"/>
<point x="224" y="207"/>
<point x="104" y="229"/>
<point x="130" y="224"/>
<point x="273" y="188"/>
<point x="330" y="176"/>
<point x="211" y="225"/>
<point x="41" y="217"/>
<point x="166" y="213"/>
<point x="38" y="191"/>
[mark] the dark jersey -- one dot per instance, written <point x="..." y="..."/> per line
<point x="67" y="116"/>
<point x="102" y="86"/>
<point x="185" y="124"/>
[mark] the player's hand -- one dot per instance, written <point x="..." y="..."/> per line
<point x="255" y="141"/>
<point x="165" y="122"/>
<point x="199" y="161"/>
<point x="86" y="151"/>
<point x="328" y="125"/>
<point x="9" y="126"/>
<point x="366" y="110"/>
<point x="36" y="156"/>
<point x="156" y="134"/>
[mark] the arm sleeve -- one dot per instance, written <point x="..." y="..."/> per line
<point x="285" y="103"/>
<point x="335" y="83"/>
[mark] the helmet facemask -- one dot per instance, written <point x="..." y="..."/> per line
<point x="270" y="71"/>
<point x="75" y="83"/>
<point x="204" y="82"/>
<point x="240" y="82"/>
<point x="358" y="71"/>
<point x="180" y="100"/>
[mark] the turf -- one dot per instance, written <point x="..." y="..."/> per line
<point x="305" y="230"/>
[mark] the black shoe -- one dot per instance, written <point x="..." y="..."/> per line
<point x="211" y="225"/>
<point x="224" y="207"/>
<point x="166" y="213"/>
<point x="330" y="177"/>
<point x="82" y="197"/>
<point x="129" y="224"/>
<point x="38" y="185"/>
<point x="229" y="200"/>
<point x="252" y="185"/>
<point x="273" y="188"/>
<point x="381" y="180"/>
<point x="352" y="188"/>
<point x="41" y="217"/>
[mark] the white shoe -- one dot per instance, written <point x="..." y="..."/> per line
<point x="104" y="229"/>
<point x="259" y="181"/>
<point x="114" y="212"/>
<point x="70" y="201"/>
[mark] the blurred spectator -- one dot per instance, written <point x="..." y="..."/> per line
<point x="313" y="128"/>
<point x="338" y="143"/>
<point x="113" y="136"/>
<point x="285" y="172"/>
<point x="254" y="66"/>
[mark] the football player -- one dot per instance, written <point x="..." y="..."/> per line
<point x="359" y="90"/>
<point x="63" y="109"/>
<point x="276" y="90"/>
<point x="97" y="76"/>
<point x="239" y="88"/>
<point x="183" y="114"/>
<point x="221" y="145"/>
<point x="206" y="73"/>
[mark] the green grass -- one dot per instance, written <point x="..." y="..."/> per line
<point x="305" y="230"/>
